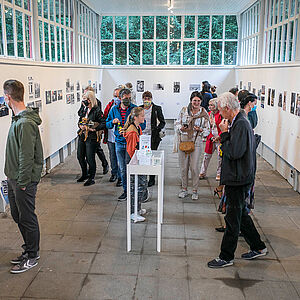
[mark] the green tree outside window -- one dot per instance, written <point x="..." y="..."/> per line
<point x="148" y="53"/>
<point x="134" y="27"/>
<point x="175" y="53"/>
<point x="19" y="27"/>
<point x="203" y="27"/>
<point x="107" y="28"/>
<point x="106" y="53"/>
<point x="216" y="53"/>
<point x="9" y="31"/>
<point x="120" y="28"/>
<point x="202" y="53"/>
<point x="175" y="27"/>
<point x="1" y="33"/>
<point x="161" y="53"/>
<point x="161" y="27"/>
<point x="189" y="26"/>
<point x="121" y="53"/>
<point x="217" y="27"/>
<point x="230" y="53"/>
<point x="134" y="53"/>
<point x="148" y="28"/>
<point x="231" y="27"/>
<point x="188" y="53"/>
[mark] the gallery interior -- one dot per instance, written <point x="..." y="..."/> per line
<point x="57" y="48"/>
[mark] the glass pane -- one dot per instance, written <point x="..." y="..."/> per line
<point x="67" y="46"/>
<point x="27" y="4"/>
<point x="63" y="58"/>
<point x="161" y="53"/>
<point x="279" y="43"/>
<point x="45" y="8"/>
<point x="216" y="53"/>
<point x="41" y="40"/>
<point x="106" y="53"/>
<point x="134" y="53"/>
<point x="203" y="27"/>
<point x="271" y="12"/>
<point x="28" y="36"/>
<point x="270" y="45"/>
<point x="18" y="3"/>
<point x="67" y="12"/>
<point x="52" y="43"/>
<point x="188" y="53"/>
<point x="189" y="26"/>
<point x="175" y="27"/>
<point x="120" y="28"/>
<point x="19" y="26"/>
<point x="276" y="12"/>
<point x="161" y="27"/>
<point x="280" y="10"/>
<point x="51" y="9"/>
<point x="217" y="27"/>
<point x="62" y="11"/>
<point x="134" y="28"/>
<point x="230" y="53"/>
<point x="39" y="7"/>
<point x="1" y="33"/>
<point x="47" y="46"/>
<point x="231" y="28"/>
<point x="148" y="28"/>
<point x="9" y="31"/>
<point x="291" y="40"/>
<point x="292" y="8"/>
<point x="58" y="43"/>
<point x="107" y="28"/>
<point x="57" y="11"/>
<point x="175" y="53"/>
<point x="202" y="53"/>
<point x="121" y="53"/>
<point x="148" y="53"/>
<point x="274" y="45"/>
<point x="286" y="9"/>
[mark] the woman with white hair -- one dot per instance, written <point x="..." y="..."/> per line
<point x="91" y="121"/>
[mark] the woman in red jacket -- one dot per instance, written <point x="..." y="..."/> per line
<point x="213" y="139"/>
<point x="131" y="132"/>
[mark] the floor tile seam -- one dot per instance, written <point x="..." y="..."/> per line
<point x="291" y="281"/>
<point x="31" y="281"/>
<point x="298" y="226"/>
<point x="95" y="254"/>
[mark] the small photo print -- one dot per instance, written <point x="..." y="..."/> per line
<point x="241" y="85"/>
<point x="284" y="100"/>
<point x="78" y="97"/>
<point x="263" y="90"/>
<point x="72" y="87"/>
<point x="3" y="108"/>
<point x="48" y="97"/>
<point x="54" y="96"/>
<point x="140" y="86"/>
<point x="37" y="90"/>
<point x="38" y="104"/>
<point x="254" y="91"/>
<point x="262" y="101"/>
<point x="72" y="98"/>
<point x="99" y="87"/>
<point x="59" y="95"/>
<point x="269" y="96"/>
<point x="249" y="86"/>
<point x="176" y="87"/>
<point x="30" y="90"/>
<point x="30" y="104"/>
<point x="77" y="86"/>
<point x="158" y="87"/>
<point x="298" y="106"/>
<point x="68" y="85"/>
<point x="293" y="103"/>
<point x="273" y="97"/>
<point x="68" y="98"/>
<point x="280" y="100"/>
<point x="195" y="87"/>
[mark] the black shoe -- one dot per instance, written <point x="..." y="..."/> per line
<point x="82" y="178"/>
<point x="25" y="265"/>
<point x="123" y="197"/>
<point x="113" y="178"/>
<point x="220" y="229"/>
<point x="20" y="258"/>
<point x="105" y="169"/>
<point x="151" y="183"/>
<point x="89" y="182"/>
<point x="119" y="182"/>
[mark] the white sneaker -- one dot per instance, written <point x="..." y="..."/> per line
<point x="195" y="196"/>
<point x="142" y="211"/>
<point x="183" y="194"/>
<point x="137" y="218"/>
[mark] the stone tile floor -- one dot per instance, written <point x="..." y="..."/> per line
<point x="83" y="242"/>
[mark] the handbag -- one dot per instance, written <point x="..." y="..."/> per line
<point x="188" y="147"/>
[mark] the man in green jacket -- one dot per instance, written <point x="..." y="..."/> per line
<point x="23" y="167"/>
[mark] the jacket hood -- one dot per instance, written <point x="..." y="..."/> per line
<point x="130" y="131"/>
<point x="29" y="113"/>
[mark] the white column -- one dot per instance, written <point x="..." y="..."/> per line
<point x="35" y="32"/>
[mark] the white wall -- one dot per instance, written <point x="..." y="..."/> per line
<point x="280" y="129"/>
<point x="59" y="120"/>
<point x="224" y="78"/>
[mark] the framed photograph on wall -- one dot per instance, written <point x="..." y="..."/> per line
<point x="269" y="96"/>
<point x="48" y="97"/>
<point x="158" y="87"/>
<point x="241" y="85"/>
<point x="263" y="90"/>
<point x="293" y="103"/>
<point x="38" y="104"/>
<point x="140" y="86"/>
<point x="37" y="90"/>
<point x="59" y="95"/>
<point x="3" y="108"/>
<point x="284" y="100"/>
<point x="262" y="101"/>
<point x="249" y="86"/>
<point x="272" y="97"/>
<point x="176" y="87"/>
<point x="195" y="87"/>
<point x="54" y="96"/>
<point x="280" y="100"/>
<point x="298" y="106"/>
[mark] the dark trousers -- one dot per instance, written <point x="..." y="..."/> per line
<point x="86" y="152"/>
<point x="22" y="207"/>
<point x="122" y="157"/>
<point x="154" y="146"/>
<point x="113" y="159"/>
<point x="101" y="156"/>
<point x="237" y="220"/>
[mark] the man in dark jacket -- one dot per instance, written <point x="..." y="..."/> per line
<point x="155" y="122"/>
<point x="99" y="150"/>
<point x="23" y="167"/>
<point x="237" y="174"/>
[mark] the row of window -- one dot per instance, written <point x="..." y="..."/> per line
<point x="169" y="40"/>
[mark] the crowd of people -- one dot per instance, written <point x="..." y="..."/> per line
<point x="224" y="123"/>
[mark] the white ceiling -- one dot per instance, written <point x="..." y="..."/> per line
<point x="131" y="7"/>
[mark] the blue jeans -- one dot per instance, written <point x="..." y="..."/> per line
<point x="113" y="159"/>
<point x="121" y="156"/>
